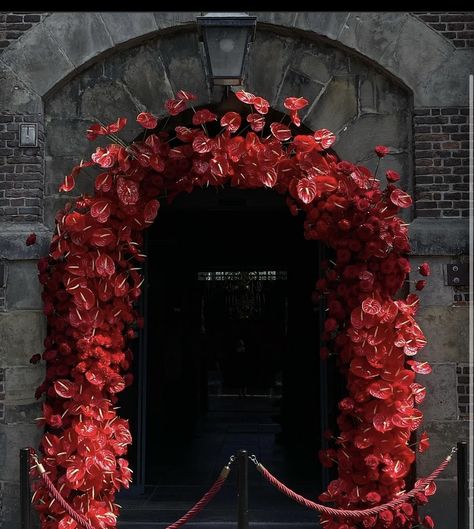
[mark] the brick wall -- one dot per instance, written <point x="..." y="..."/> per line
<point x="21" y="172"/>
<point x="457" y="27"/>
<point x="441" y="162"/>
<point x="14" y="24"/>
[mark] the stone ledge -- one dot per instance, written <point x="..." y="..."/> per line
<point x="439" y="236"/>
<point x="13" y="237"/>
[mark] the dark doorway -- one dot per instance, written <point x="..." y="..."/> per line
<point x="232" y="342"/>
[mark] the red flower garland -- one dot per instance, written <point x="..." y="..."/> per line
<point x="91" y="282"/>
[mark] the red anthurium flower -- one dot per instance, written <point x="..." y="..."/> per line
<point x="127" y="191"/>
<point x="186" y="96"/>
<point x="203" y="116"/>
<point x="428" y="522"/>
<point x="295" y="103"/>
<point x="424" y="269"/>
<point x="245" y="97"/>
<point x="307" y="189"/>
<point x="400" y="198"/>
<point x="324" y="139"/>
<point x="31" y="239"/>
<point x="261" y="105"/>
<point x="424" y="443"/>
<point x="381" y="151"/>
<point x="371" y="306"/>
<point x="175" y="106"/>
<point x="392" y="176"/>
<point x="257" y="122"/>
<point x="422" y="368"/>
<point x="420" y="285"/>
<point x="147" y="120"/>
<point x="280" y="131"/>
<point x="232" y="121"/>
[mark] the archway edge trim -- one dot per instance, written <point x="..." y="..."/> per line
<point x="73" y="41"/>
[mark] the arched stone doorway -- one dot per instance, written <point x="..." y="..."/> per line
<point x="431" y="77"/>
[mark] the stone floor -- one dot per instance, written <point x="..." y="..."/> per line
<point x="232" y="423"/>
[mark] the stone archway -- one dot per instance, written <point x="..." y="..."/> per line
<point x="345" y="93"/>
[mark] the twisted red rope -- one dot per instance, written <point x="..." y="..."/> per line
<point x="199" y="506"/>
<point x="83" y="522"/>
<point x="351" y="514"/>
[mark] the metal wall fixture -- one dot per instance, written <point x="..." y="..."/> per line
<point x="28" y="135"/>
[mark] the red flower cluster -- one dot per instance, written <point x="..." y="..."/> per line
<point x="91" y="282"/>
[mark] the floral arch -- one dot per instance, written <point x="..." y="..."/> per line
<point x="92" y="280"/>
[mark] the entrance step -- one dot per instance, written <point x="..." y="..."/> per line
<point x="218" y="525"/>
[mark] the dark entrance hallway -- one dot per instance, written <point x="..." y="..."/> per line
<point x="231" y="360"/>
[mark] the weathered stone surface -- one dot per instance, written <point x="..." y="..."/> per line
<point x="277" y="18"/>
<point x="432" y="51"/>
<point x="37" y="60"/>
<point x="447" y="332"/>
<point x="436" y="292"/>
<point x="105" y="101"/>
<point x="443" y="436"/>
<point x="16" y="96"/>
<point x="141" y="70"/>
<point x="268" y="63"/>
<point x="182" y="59"/>
<point x="80" y="35"/>
<point x="447" y="85"/>
<point x="12" y="438"/>
<point x="74" y="130"/>
<point x="170" y="19"/>
<point x="12" y="241"/>
<point x="372" y="33"/>
<point x="11" y="504"/>
<point x="124" y="27"/>
<point x="337" y="105"/>
<point x="23" y="413"/>
<point x="441" y="405"/>
<point x="357" y="141"/>
<point x="323" y="23"/>
<point x="443" y="237"/>
<point x="64" y="103"/>
<point x="314" y="66"/>
<point x="21" y="336"/>
<point x="23" y="287"/>
<point x="21" y="382"/>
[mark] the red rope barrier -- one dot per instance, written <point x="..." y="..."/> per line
<point x="351" y="514"/>
<point x="77" y="517"/>
<point x="83" y="522"/>
<point x="199" y="506"/>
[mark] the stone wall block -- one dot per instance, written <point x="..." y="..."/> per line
<point x="181" y="56"/>
<point x="447" y="331"/>
<point x="23" y="286"/>
<point x="21" y="336"/>
<point x="436" y="293"/>
<point x="16" y="96"/>
<point x="441" y="401"/>
<point x="142" y="71"/>
<point x="324" y="23"/>
<point x="40" y="64"/>
<point x="81" y="36"/>
<point x="268" y="62"/>
<point x="12" y="438"/>
<point x="21" y="383"/>
<point x="358" y="140"/>
<point x="337" y="105"/>
<point x="125" y="27"/>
